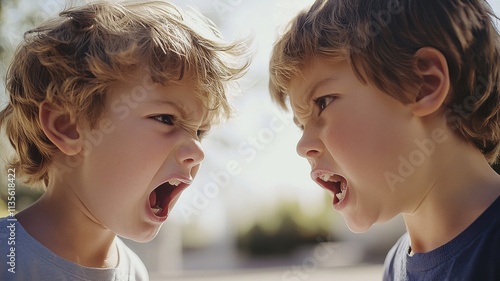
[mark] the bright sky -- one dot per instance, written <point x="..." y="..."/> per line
<point x="258" y="146"/>
<point x="276" y="172"/>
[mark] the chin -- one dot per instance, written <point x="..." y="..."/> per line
<point x="141" y="237"/>
<point x="357" y="226"/>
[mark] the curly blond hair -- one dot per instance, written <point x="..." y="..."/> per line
<point x="72" y="60"/>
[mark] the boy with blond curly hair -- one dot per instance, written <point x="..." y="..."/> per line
<point x="399" y="103"/>
<point x="108" y="105"/>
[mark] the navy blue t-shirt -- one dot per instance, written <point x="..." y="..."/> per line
<point x="473" y="255"/>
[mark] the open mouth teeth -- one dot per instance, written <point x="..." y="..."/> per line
<point x="174" y="182"/>
<point x="326" y="177"/>
<point x="343" y="191"/>
<point x="337" y="184"/>
<point x="157" y="210"/>
<point x="161" y="196"/>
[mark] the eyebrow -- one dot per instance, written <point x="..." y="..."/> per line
<point x="315" y="86"/>
<point x="183" y="112"/>
<point x="309" y="93"/>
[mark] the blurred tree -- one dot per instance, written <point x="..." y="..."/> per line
<point x="287" y="229"/>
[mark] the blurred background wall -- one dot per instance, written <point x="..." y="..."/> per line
<point x="253" y="205"/>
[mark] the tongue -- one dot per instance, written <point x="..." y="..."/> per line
<point x="152" y="199"/>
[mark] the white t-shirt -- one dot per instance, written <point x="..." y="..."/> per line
<point x="24" y="258"/>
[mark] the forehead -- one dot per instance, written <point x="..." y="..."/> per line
<point x="139" y="88"/>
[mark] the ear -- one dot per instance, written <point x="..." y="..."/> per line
<point x="431" y="65"/>
<point x="58" y="127"/>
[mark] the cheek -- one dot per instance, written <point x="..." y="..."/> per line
<point x="365" y="144"/>
<point x="121" y="161"/>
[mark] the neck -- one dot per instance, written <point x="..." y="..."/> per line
<point x="79" y="238"/>
<point x="454" y="200"/>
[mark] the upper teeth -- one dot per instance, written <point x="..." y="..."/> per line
<point x="326" y="177"/>
<point x="336" y="179"/>
<point x="174" y="182"/>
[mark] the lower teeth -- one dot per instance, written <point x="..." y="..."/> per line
<point x="157" y="210"/>
<point x="340" y="196"/>
<point x="343" y="191"/>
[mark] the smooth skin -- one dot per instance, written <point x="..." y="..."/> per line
<point x="148" y="138"/>
<point x="359" y="132"/>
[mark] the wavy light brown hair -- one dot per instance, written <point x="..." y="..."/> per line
<point x="380" y="39"/>
<point x="72" y="60"/>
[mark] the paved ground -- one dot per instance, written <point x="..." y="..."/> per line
<point x="357" y="273"/>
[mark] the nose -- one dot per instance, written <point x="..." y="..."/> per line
<point x="309" y="146"/>
<point x="190" y="153"/>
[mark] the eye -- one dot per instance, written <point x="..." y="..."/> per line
<point x="165" y="119"/>
<point x="297" y="123"/>
<point x="324" y="101"/>
<point x="201" y="133"/>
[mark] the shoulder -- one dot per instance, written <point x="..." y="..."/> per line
<point x="10" y="234"/>
<point x="4" y="220"/>
<point x="23" y="260"/>
<point x="489" y="234"/>
<point x="400" y="248"/>
<point x="130" y="264"/>
<point x="475" y="252"/>
<point x="489" y="224"/>
<point x="394" y="261"/>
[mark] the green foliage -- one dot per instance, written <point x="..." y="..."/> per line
<point x="287" y="228"/>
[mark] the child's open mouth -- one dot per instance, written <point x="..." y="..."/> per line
<point x="335" y="183"/>
<point x="160" y="198"/>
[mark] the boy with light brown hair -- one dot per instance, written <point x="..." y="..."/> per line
<point x="108" y="105"/>
<point x="399" y="105"/>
